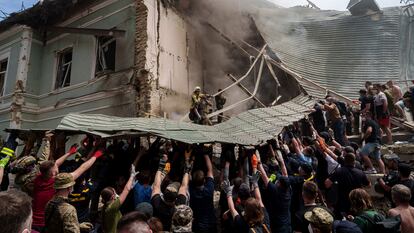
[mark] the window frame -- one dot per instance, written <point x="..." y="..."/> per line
<point x="98" y="72"/>
<point x="5" y="56"/>
<point x="58" y="55"/>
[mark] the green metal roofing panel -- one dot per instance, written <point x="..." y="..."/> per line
<point x="248" y="128"/>
<point x="334" y="49"/>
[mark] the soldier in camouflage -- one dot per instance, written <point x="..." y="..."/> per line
<point x="60" y="216"/>
<point x="182" y="219"/>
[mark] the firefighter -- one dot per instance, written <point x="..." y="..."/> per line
<point x="199" y="104"/>
<point x="7" y="153"/>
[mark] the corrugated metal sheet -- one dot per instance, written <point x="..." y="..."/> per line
<point x="334" y="49"/>
<point x="249" y="128"/>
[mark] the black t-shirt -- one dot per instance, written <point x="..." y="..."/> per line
<point x="202" y="204"/>
<point x="318" y="119"/>
<point x="165" y="212"/>
<point x="348" y="178"/>
<point x="363" y="101"/>
<point x="370" y="100"/>
<point x="375" y="136"/>
<point x="296" y="204"/>
<point x="241" y="226"/>
<point x="321" y="170"/>
<point x="301" y="224"/>
<point x="279" y="208"/>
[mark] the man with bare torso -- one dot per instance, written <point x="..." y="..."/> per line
<point x="401" y="196"/>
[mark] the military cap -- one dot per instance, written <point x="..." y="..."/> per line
<point x="319" y="217"/>
<point x="64" y="180"/>
<point x="182" y="217"/>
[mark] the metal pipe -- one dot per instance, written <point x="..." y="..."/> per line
<point x="272" y="72"/>
<point x="246" y="75"/>
<point x="234" y="79"/>
<point x="242" y="101"/>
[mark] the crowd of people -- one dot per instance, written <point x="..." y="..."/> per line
<point x="310" y="178"/>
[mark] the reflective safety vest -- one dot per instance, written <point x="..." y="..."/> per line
<point x="7" y="151"/>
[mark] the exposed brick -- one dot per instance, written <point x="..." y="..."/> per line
<point x="142" y="82"/>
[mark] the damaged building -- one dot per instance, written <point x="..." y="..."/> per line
<point x="143" y="58"/>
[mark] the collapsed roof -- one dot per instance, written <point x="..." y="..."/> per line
<point x="249" y="128"/>
<point x="337" y="50"/>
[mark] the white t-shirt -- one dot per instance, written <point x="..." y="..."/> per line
<point x="332" y="164"/>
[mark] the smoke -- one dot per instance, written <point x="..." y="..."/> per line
<point x="213" y="22"/>
<point x="210" y="18"/>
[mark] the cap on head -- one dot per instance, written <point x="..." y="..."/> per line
<point x="319" y="217"/>
<point x="64" y="180"/>
<point x="145" y="208"/>
<point x="390" y="157"/>
<point x="171" y="192"/>
<point x="197" y="89"/>
<point x="182" y="219"/>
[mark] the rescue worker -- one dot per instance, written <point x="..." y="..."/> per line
<point x="60" y="215"/>
<point x="196" y="97"/>
<point x="7" y="153"/>
<point x="220" y="102"/>
<point x="199" y="104"/>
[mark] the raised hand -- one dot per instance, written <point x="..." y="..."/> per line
<point x="73" y="149"/>
<point x="227" y="188"/>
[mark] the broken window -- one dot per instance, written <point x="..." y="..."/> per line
<point x="105" y="58"/>
<point x="3" y="72"/>
<point x="64" y="68"/>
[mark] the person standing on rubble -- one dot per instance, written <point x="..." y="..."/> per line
<point x="196" y="98"/>
<point x="199" y="105"/>
<point x="220" y="102"/>
<point x="335" y="120"/>
<point x="395" y="90"/>
<point x="382" y="115"/>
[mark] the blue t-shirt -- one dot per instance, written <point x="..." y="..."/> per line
<point x="142" y="193"/>
<point x="279" y="211"/>
<point x="201" y="202"/>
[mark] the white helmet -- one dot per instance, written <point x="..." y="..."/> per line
<point x="197" y="89"/>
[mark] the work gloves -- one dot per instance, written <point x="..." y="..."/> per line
<point x="73" y="149"/>
<point x="98" y="154"/>
<point x="254" y="179"/>
<point x="227" y="188"/>
<point x="163" y="166"/>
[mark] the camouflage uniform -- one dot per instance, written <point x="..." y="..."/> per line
<point x="182" y="219"/>
<point x="27" y="168"/>
<point x="61" y="216"/>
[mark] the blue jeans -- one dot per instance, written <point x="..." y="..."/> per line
<point x="338" y="128"/>
<point x="371" y="149"/>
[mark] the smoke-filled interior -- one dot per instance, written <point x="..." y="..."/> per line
<point x="230" y="42"/>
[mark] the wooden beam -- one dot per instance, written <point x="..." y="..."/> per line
<point x="88" y="31"/>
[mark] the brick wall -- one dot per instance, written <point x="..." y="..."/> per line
<point x="142" y="81"/>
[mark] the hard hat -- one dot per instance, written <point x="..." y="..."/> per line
<point x="197" y="89"/>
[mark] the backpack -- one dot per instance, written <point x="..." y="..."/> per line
<point x="345" y="227"/>
<point x="382" y="224"/>
<point x="259" y="229"/>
